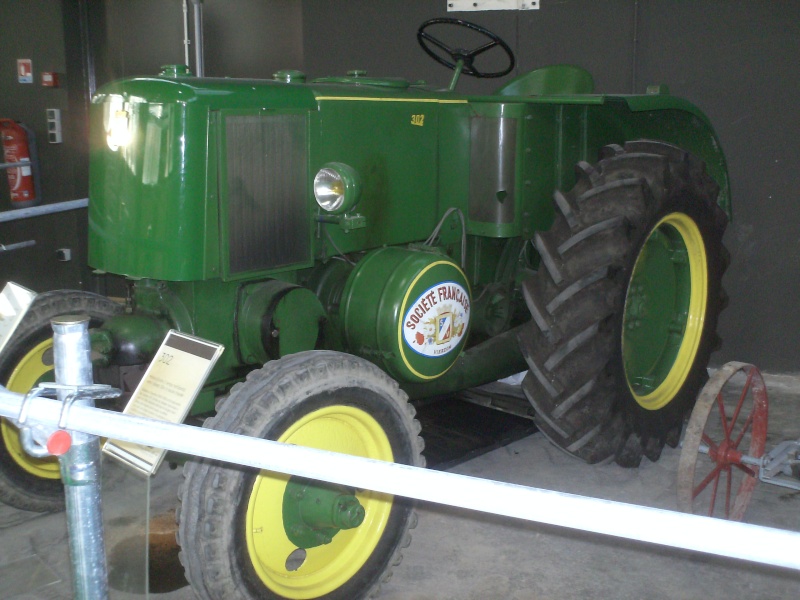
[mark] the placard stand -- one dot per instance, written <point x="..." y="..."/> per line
<point x="166" y="392"/>
<point x="126" y="522"/>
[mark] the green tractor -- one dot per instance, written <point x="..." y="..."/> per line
<point x="356" y="241"/>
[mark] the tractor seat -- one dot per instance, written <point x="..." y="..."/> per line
<point x="554" y="80"/>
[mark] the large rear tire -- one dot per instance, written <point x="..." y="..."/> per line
<point x="625" y="305"/>
<point x="238" y="529"/>
<point x="25" y="482"/>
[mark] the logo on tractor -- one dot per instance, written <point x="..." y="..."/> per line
<point x="437" y="320"/>
<point x="444" y="329"/>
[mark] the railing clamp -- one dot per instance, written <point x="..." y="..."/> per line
<point x="37" y="440"/>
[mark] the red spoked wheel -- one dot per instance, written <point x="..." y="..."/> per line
<point x="725" y="437"/>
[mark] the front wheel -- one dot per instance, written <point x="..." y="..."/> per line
<point x="25" y="482"/>
<point x="625" y="307"/>
<point x="248" y="534"/>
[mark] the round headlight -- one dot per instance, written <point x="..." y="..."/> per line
<point x="337" y="188"/>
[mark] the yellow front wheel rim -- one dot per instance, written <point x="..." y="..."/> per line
<point x="32" y="369"/>
<point x="325" y="568"/>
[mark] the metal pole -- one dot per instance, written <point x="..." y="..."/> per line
<point x="36" y="211"/>
<point x="80" y="466"/>
<point x="17" y="246"/>
<point x="25" y="163"/>
<point x="199" y="61"/>
<point x="186" y="32"/>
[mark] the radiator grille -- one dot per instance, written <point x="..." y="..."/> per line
<point x="267" y="195"/>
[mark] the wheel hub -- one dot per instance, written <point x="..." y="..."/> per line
<point x="304" y="538"/>
<point x="313" y="513"/>
<point x="726" y="454"/>
<point x="664" y="311"/>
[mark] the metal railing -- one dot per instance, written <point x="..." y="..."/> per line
<point x="50" y="418"/>
<point x="17" y="245"/>
<point x="35" y="211"/>
<point x="46" y="209"/>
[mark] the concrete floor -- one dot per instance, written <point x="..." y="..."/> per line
<point x="456" y="554"/>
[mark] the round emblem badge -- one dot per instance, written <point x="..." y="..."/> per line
<point x="436" y="321"/>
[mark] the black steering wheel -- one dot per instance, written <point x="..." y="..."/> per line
<point x="467" y="57"/>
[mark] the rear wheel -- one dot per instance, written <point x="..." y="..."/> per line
<point x="248" y="534"/>
<point x="26" y="482"/>
<point x="625" y="307"/>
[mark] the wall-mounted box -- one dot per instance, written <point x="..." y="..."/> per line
<point x="50" y="79"/>
<point x="54" y="126"/>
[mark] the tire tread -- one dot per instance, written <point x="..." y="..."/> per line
<point x="576" y="300"/>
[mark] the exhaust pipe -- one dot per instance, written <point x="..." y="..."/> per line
<point x="197" y="11"/>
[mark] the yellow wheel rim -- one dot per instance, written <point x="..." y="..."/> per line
<point x="29" y="371"/>
<point x="675" y="308"/>
<point x="325" y="568"/>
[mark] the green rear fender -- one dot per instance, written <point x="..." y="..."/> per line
<point x="659" y="116"/>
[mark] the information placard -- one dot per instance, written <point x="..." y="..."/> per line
<point x="166" y="392"/>
<point x="14" y="303"/>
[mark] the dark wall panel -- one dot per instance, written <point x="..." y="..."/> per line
<point x="252" y="38"/>
<point x="37" y="33"/>
<point x="137" y="37"/>
<point x="738" y="60"/>
<point x="38" y="29"/>
<point x="597" y="36"/>
<point x="39" y="267"/>
<point x="242" y="38"/>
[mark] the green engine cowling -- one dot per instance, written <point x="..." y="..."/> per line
<point x="408" y="310"/>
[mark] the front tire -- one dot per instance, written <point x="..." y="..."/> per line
<point x="25" y="482"/>
<point x="236" y="533"/>
<point x="625" y="307"/>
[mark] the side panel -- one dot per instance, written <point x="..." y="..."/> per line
<point x="147" y="206"/>
<point x="392" y="144"/>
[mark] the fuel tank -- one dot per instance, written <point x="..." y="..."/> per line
<point x="408" y="310"/>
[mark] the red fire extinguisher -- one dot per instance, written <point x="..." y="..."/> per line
<point x="19" y="146"/>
